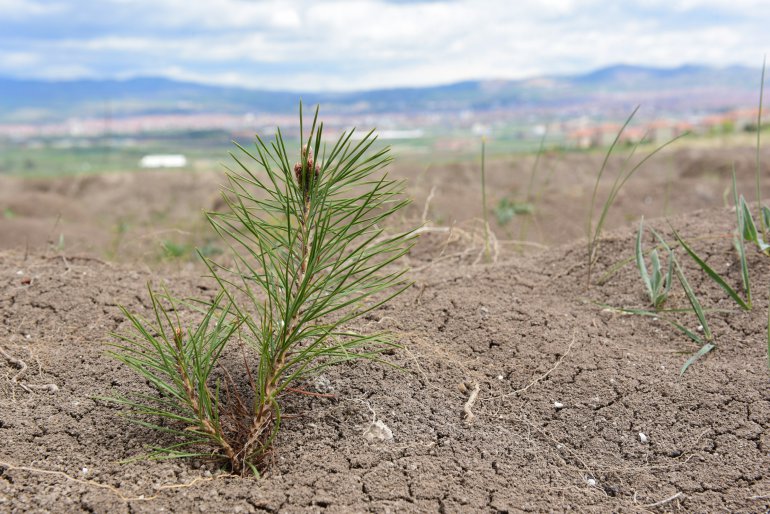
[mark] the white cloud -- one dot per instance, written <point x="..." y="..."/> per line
<point x="346" y="44"/>
<point x="20" y="9"/>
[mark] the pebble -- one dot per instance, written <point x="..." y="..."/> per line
<point x="643" y="438"/>
<point x="323" y="385"/>
<point x="558" y="405"/>
<point x="378" y="431"/>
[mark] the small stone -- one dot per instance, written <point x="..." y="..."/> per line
<point x="591" y="482"/>
<point x="378" y="431"/>
<point x="322" y="384"/>
<point x="558" y="405"/>
<point x="643" y="438"/>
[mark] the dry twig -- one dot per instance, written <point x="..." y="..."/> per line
<point x="664" y="501"/>
<point x="469" y="416"/>
<point x="541" y="377"/>
<point x="22" y="366"/>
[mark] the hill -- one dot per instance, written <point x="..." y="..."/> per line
<point x="683" y="89"/>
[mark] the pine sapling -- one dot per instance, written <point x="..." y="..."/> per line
<point x="309" y="255"/>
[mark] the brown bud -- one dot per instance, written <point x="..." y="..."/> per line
<point x="309" y="162"/>
<point x="178" y="337"/>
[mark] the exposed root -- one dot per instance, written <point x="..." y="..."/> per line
<point x="469" y="416"/>
<point x="113" y="490"/>
<point x="22" y="367"/>
<point x="664" y="501"/>
<point x="51" y="388"/>
<point x="478" y="241"/>
<point x="13" y="361"/>
<point x="543" y="376"/>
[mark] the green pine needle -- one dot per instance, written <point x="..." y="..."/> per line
<point x="309" y="255"/>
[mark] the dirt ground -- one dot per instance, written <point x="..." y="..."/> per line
<point x="566" y="388"/>
<point x="155" y="217"/>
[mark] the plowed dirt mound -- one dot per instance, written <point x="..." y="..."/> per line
<point x="565" y="389"/>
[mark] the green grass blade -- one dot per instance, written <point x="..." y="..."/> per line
<point x="711" y="273"/>
<point x="657" y="315"/>
<point x="740" y="243"/>
<point x="706" y="348"/>
<point x="749" y="228"/>
<point x="640" y="264"/>
<point x="696" y="306"/>
<point x="765" y="226"/>
<point x="592" y="204"/>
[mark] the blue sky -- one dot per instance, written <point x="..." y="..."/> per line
<point x="362" y="44"/>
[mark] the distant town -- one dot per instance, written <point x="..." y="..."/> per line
<point x="115" y="124"/>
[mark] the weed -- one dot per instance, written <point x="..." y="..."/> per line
<point x="527" y="206"/>
<point x="658" y="287"/>
<point x="659" y="284"/>
<point x="744" y="304"/>
<point x="593" y="232"/>
<point x="507" y="209"/>
<point x="172" y="250"/>
<point x="309" y="255"/>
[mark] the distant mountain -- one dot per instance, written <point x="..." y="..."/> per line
<point x="686" y="88"/>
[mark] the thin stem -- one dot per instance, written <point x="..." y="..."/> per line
<point x="759" y="131"/>
<point x="194" y="402"/>
<point x="487" y="251"/>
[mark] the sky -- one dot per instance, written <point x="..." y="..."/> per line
<point x="305" y="45"/>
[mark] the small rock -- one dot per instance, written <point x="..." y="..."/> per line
<point x="643" y="438"/>
<point x="558" y="405"/>
<point x="322" y="384"/>
<point x="378" y="431"/>
<point x="591" y="482"/>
